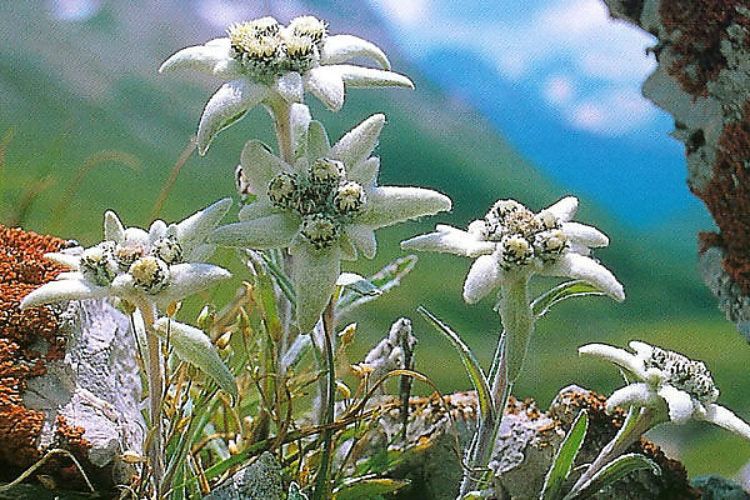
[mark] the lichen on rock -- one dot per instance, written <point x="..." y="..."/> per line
<point x="68" y="377"/>
<point x="703" y="81"/>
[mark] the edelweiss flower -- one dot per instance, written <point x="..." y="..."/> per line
<point x="160" y="266"/>
<point x="324" y="208"/>
<point x="264" y="60"/>
<point x="676" y="386"/>
<point x="511" y="243"/>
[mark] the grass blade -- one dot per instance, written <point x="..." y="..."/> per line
<point x="567" y="290"/>
<point x="565" y="457"/>
<point x="616" y="470"/>
<point x="470" y="362"/>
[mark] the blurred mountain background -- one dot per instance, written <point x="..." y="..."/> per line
<point x="87" y="124"/>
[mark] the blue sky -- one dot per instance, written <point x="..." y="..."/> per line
<point x="574" y="67"/>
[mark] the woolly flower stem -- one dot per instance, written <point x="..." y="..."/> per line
<point x="281" y="113"/>
<point x="518" y="324"/>
<point x="155" y="389"/>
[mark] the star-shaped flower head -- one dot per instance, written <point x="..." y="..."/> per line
<point x="674" y="385"/>
<point x="324" y="208"/>
<point x="511" y="242"/>
<point x="263" y="60"/>
<point x="160" y="266"/>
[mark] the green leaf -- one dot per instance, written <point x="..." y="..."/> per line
<point x="193" y="345"/>
<point x="616" y="470"/>
<point x="295" y="492"/>
<point x="566" y="455"/>
<point x="367" y="487"/>
<point x="486" y="408"/>
<point x="567" y="290"/>
<point x="377" y="284"/>
<point x="358" y="284"/>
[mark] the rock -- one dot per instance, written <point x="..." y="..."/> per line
<point x="718" y="488"/>
<point x="259" y="481"/>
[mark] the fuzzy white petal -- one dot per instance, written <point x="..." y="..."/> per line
<point x="622" y="358"/>
<point x="135" y="236"/>
<point x="260" y="165"/>
<point x="363" y="238"/>
<point x="187" y="279"/>
<point x="290" y="86"/>
<point x="193" y="231"/>
<point x="327" y="85"/>
<point x="359" y="143"/>
<point x="724" y="418"/>
<point x="226" y="106"/>
<point x="348" y="250"/>
<point x="315" y="273"/>
<point x="68" y="261"/>
<point x="194" y="346"/>
<point x="390" y="204"/>
<point x="201" y="58"/>
<point x="484" y="276"/>
<point x="67" y="289"/>
<point x="639" y="395"/>
<point x="366" y="173"/>
<point x="157" y="230"/>
<point x="273" y="231"/>
<point x="585" y="235"/>
<point x="113" y="228"/>
<point x="448" y="239"/>
<point x="584" y="268"/>
<point x="681" y="405"/>
<point x="299" y="119"/>
<point x="564" y="209"/>
<point x="343" y="48"/>
<point x="642" y="349"/>
<point x="318" y="145"/>
<point x="262" y="207"/>
<point x="360" y="76"/>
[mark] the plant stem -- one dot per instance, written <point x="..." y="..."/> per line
<point x="155" y="388"/>
<point x="636" y="424"/>
<point x="322" y="487"/>
<point x="518" y="324"/>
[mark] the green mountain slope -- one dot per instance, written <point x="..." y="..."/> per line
<point x="74" y="90"/>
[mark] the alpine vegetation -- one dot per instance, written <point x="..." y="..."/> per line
<point x="324" y="208"/>
<point x="259" y="391"/>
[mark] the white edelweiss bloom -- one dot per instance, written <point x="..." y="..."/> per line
<point x="677" y="387"/>
<point x="263" y="60"/>
<point x="324" y="208"/>
<point x="512" y="243"/>
<point x="161" y="266"/>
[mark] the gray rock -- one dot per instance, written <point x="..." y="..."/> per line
<point x="260" y="480"/>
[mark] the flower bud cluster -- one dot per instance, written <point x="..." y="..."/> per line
<point x="149" y="267"/>
<point x="324" y="198"/>
<point x="522" y="235"/>
<point x="266" y="48"/>
<point x="685" y="374"/>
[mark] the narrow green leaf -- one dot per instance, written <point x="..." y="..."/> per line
<point x="358" y="284"/>
<point x="566" y="455"/>
<point x="367" y="487"/>
<point x="285" y="284"/>
<point x="193" y="345"/>
<point x="486" y="408"/>
<point x="567" y="290"/>
<point x="384" y="280"/>
<point x="616" y="470"/>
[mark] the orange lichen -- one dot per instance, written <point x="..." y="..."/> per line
<point x="727" y="196"/>
<point x="699" y="26"/>
<point x="22" y="334"/>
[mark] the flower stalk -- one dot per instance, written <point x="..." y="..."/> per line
<point x="322" y="487"/>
